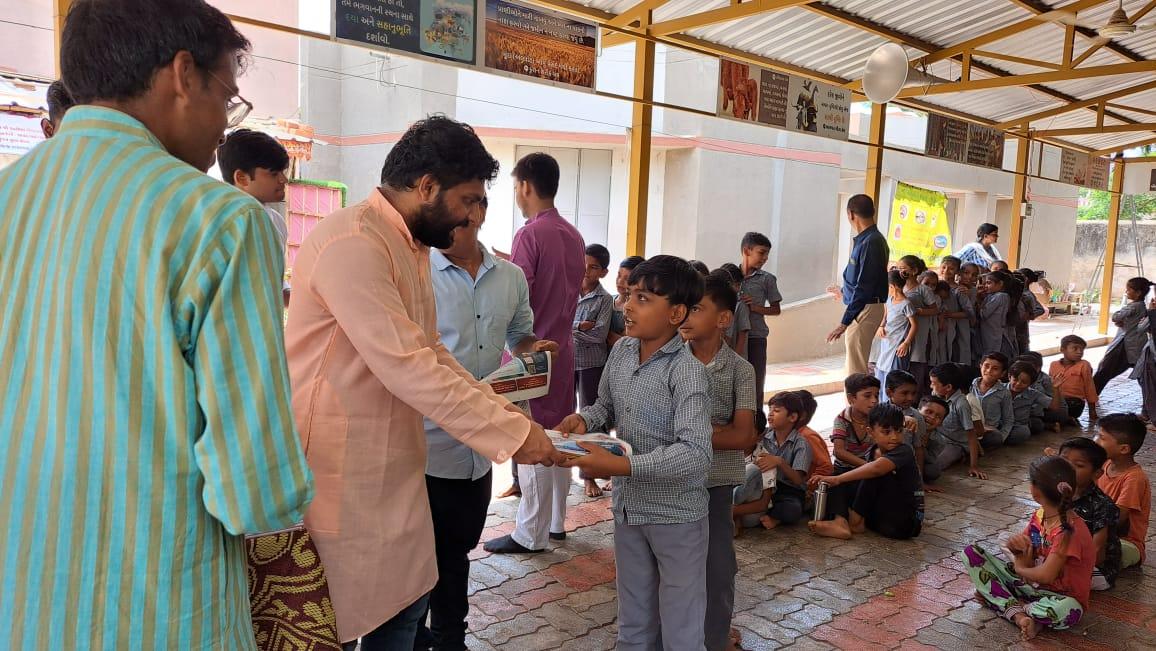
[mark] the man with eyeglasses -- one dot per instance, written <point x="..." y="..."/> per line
<point x="145" y="420"/>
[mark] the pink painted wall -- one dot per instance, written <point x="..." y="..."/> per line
<point x="307" y="205"/>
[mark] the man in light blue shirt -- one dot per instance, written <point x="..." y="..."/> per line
<point x="483" y="307"/>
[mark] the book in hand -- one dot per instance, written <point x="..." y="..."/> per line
<point x="568" y="444"/>
<point x="525" y="377"/>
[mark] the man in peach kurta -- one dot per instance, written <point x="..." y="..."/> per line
<point x="367" y="364"/>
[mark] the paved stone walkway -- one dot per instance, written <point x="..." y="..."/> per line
<point x="798" y="591"/>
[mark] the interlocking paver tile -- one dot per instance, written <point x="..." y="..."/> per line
<point x="796" y="591"/>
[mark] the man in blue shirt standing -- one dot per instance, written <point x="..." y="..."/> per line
<point x="483" y="307"/>
<point x="864" y="284"/>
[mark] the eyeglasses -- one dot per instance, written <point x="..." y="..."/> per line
<point x="237" y="108"/>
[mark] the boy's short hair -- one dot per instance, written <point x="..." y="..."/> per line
<point x="671" y="277"/>
<point x="717" y="287"/>
<point x="59" y="101"/>
<point x="753" y="239"/>
<point x="898" y="378"/>
<point x="1024" y="367"/>
<point x="997" y="356"/>
<point x="1073" y="339"/>
<point x="810" y="406"/>
<point x="1126" y="428"/>
<point x="600" y="255"/>
<point x="733" y="270"/>
<point x="1033" y="358"/>
<point x="788" y="400"/>
<point x="247" y="150"/>
<point x="885" y="414"/>
<point x="541" y="171"/>
<point x="949" y="373"/>
<point x="857" y="382"/>
<point x="935" y="400"/>
<point x="951" y="259"/>
<point x="700" y="267"/>
<point x="861" y="206"/>
<point x="1095" y="454"/>
<point x="631" y="262"/>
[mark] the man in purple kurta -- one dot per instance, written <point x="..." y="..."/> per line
<point x="553" y="256"/>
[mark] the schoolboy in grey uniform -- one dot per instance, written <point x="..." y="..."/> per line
<point x="655" y="393"/>
<point x="733" y="406"/>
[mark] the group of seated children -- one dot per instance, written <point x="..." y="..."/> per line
<point x="1094" y="504"/>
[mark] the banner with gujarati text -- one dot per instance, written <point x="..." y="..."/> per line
<point x="919" y="225"/>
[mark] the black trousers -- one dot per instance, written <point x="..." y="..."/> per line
<point x="1114" y="363"/>
<point x="459" y="509"/>
<point x="587" y="380"/>
<point x="757" y="356"/>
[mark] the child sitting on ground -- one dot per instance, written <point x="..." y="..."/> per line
<point x="1028" y="405"/>
<point x="934" y="410"/>
<point x="1054" y="552"/>
<point x="1121" y="436"/>
<point x="783" y="450"/>
<point x="995" y="401"/>
<point x="1072" y="377"/>
<point x="1043" y="382"/>
<point x="901" y="391"/>
<point x="1095" y="507"/>
<point x="820" y="456"/>
<point x="851" y="435"/>
<point x="885" y="494"/>
<point x="961" y="430"/>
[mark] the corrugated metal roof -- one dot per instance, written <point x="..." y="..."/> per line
<point x="812" y="40"/>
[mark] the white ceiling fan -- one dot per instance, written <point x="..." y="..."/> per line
<point x="1119" y="24"/>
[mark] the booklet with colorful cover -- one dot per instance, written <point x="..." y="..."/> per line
<point x="569" y="443"/>
<point x="525" y="377"/>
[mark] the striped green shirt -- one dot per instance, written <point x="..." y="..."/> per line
<point x="145" y="420"/>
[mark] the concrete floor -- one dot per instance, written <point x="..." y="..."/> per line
<point x="797" y="591"/>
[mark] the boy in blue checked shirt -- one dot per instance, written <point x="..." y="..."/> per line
<point x="591" y="327"/>
<point x="760" y="291"/>
<point x="655" y="393"/>
<point x="733" y="406"/>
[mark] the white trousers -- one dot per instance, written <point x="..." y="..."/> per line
<point x="543" y="506"/>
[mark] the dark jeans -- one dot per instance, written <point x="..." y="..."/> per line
<point x="459" y="509"/>
<point x="757" y="356"/>
<point x="1075" y="407"/>
<point x="1114" y="363"/>
<point x="787" y="504"/>
<point x="395" y="635"/>
<point x="587" y="380"/>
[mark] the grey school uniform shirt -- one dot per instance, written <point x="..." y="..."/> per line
<point x="1132" y="330"/>
<point x="763" y="288"/>
<point x="732" y="387"/>
<point x="997" y="406"/>
<point x="662" y="409"/>
<point x="958" y="422"/>
<point x="1028" y="404"/>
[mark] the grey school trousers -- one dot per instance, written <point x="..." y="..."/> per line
<point x="721" y="568"/>
<point x="661" y="585"/>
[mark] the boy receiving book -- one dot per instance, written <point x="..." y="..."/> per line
<point x="732" y="400"/>
<point x="656" y="394"/>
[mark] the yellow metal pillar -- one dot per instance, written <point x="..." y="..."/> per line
<point x="640" y="137"/>
<point x="59" y="13"/>
<point x="1019" y="196"/>
<point x="875" y="153"/>
<point x="1110" y="246"/>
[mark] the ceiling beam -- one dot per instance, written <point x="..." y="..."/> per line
<point x="1131" y="145"/>
<point x="708" y="48"/>
<point x="1037" y="7"/>
<point x="1132" y="109"/>
<point x="1074" y="106"/>
<point x="1004" y="32"/>
<point x="1033" y="78"/>
<point x="721" y="15"/>
<point x="1090" y="131"/>
<point x="871" y="27"/>
<point x="999" y="56"/>
<point x="629" y="18"/>
<point x="733" y="11"/>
